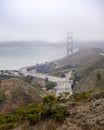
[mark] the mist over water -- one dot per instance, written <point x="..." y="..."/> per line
<point x="17" y="57"/>
<point x="46" y="20"/>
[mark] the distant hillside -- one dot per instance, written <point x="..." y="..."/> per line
<point x="82" y="57"/>
<point x="15" y="92"/>
<point x="88" y="68"/>
<point x="77" y="44"/>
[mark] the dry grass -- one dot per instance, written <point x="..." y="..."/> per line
<point x="17" y="92"/>
<point x="47" y="125"/>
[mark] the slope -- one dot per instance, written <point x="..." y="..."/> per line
<point x="88" y="68"/>
<point x="15" y="92"/>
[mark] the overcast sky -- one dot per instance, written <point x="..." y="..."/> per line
<point x="50" y="20"/>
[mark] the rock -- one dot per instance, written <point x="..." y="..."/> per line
<point x="88" y="123"/>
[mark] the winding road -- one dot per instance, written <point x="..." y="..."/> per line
<point x="63" y="84"/>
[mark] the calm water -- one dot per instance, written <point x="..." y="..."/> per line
<point x="17" y="57"/>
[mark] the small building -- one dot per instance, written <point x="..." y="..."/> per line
<point x="10" y="72"/>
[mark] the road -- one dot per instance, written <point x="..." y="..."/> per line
<point x="63" y="84"/>
<point x="102" y="54"/>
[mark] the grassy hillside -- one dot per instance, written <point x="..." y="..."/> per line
<point x="85" y="59"/>
<point x="15" y="92"/>
<point x="50" y="109"/>
<point x="86" y="64"/>
<point x="94" y="79"/>
<point x="53" y="114"/>
<point x="82" y="57"/>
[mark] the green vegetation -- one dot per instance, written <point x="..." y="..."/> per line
<point x="15" y="92"/>
<point x="88" y="79"/>
<point x="7" y="121"/>
<point x="62" y="75"/>
<point x="2" y="97"/>
<point x="83" y="96"/>
<point x="80" y="96"/>
<point x="28" y="78"/>
<point x="93" y="79"/>
<point x="46" y="80"/>
<point x="30" y="112"/>
<point x="83" y="56"/>
<point x="50" y="85"/>
<point x="98" y="76"/>
<point x="50" y="108"/>
<point x="87" y="69"/>
<point x="59" y="72"/>
<point x="63" y="97"/>
<point x="7" y="126"/>
<point x="53" y="109"/>
<point x="2" y="76"/>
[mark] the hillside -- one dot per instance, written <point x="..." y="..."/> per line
<point x="84" y="110"/>
<point x="92" y="80"/>
<point x="80" y="112"/>
<point x="82" y="57"/>
<point x="15" y="92"/>
<point x="87" y="66"/>
<point x="80" y="60"/>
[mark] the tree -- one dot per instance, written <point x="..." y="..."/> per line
<point x="62" y="75"/>
<point x="46" y="79"/>
<point x="49" y="100"/>
<point x="50" y="85"/>
<point x="28" y="78"/>
<point x="98" y="76"/>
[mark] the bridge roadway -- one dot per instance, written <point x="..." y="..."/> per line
<point x="63" y="84"/>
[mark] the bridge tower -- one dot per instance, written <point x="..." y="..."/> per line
<point x="69" y="43"/>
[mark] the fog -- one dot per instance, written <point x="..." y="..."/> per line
<point x="50" y="20"/>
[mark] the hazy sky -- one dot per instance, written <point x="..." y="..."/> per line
<point x="50" y="20"/>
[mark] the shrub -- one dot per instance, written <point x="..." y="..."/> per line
<point x="2" y="97"/>
<point x="28" y="78"/>
<point x="49" y="109"/>
<point x="50" y="85"/>
<point x="98" y="76"/>
<point x="31" y="112"/>
<point x="52" y="109"/>
<point x="7" y="126"/>
<point x="80" y="96"/>
<point x="46" y="79"/>
<point x="62" y="75"/>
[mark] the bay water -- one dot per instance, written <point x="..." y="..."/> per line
<point x="17" y="57"/>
